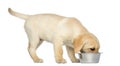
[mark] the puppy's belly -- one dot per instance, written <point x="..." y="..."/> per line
<point x="46" y="37"/>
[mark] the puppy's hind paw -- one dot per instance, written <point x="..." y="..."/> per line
<point x="39" y="61"/>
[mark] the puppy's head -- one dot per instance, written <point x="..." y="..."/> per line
<point x="86" y="43"/>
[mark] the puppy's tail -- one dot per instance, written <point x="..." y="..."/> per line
<point x="22" y="16"/>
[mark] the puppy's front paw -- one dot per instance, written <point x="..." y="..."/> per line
<point x="61" y="61"/>
<point x="76" y="61"/>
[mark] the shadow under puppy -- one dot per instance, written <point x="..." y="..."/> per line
<point x="58" y="30"/>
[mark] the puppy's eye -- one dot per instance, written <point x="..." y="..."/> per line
<point x="92" y="49"/>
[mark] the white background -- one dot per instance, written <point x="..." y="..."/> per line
<point x="101" y="17"/>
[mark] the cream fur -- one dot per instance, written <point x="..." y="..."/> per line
<point x="56" y="29"/>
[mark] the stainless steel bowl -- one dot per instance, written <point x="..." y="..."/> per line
<point x="89" y="57"/>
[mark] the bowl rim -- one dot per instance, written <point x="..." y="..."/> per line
<point x="91" y="53"/>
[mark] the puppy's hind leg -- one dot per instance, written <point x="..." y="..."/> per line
<point x="71" y="54"/>
<point x="33" y="45"/>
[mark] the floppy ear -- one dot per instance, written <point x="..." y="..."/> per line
<point x="78" y="44"/>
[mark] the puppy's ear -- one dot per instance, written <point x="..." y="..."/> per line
<point x="78" y="43"/>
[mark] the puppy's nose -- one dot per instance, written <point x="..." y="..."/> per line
<point x="92" y="49"/>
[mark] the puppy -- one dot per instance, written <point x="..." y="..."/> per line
<point x="58" y="30"/>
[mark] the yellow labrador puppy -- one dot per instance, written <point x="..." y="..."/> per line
<point x="58" y="30"/>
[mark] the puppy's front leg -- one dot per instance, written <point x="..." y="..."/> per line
<point x="58" y="51"/>
<point x="71" y="54"/>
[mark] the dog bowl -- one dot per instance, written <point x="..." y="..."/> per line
<point x="89" y="57"/>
